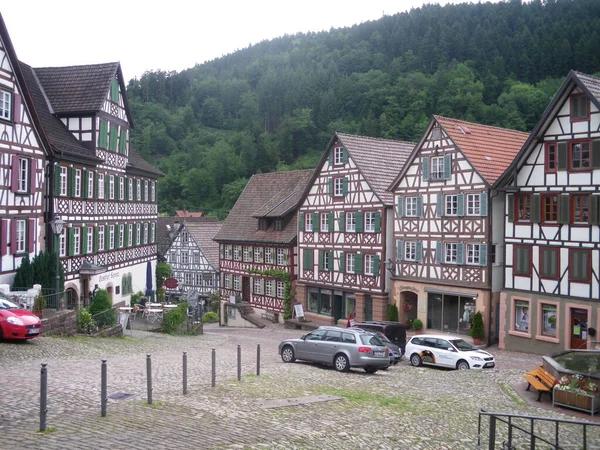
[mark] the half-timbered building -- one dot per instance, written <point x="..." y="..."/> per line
<point x="193" y="255"/>
<point x="552" y="270"/>
<point x="260" y="235"/>
<point x="449" y="227"/>
<point x="101" y="187"/>
<point x="345" y="218"/>
<point x="23" y="150"/>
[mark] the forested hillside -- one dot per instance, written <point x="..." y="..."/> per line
<point x="274" y="105"/>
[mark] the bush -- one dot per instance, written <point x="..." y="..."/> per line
<point x="392" y="314"/>
<point x="417" y="324"/>
<point x="85" y="322"/>
<point x="39" y="303"/>
<point x="174" y="318"/>
<point x="102" y="310"/>
<point x="210" y="317"/>
<point x="409" y="322"/>
<point x="136" y="298"/>
<point x="477" y="331"/>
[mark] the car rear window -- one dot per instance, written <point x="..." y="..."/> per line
<point x="371" y="339"/>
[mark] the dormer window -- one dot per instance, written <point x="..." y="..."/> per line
<point x="579" y="108"/>
<point x="279" y="224"/>
<point x="263" y="224"/>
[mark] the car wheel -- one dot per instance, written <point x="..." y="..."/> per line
<point x="462" y="365"/>
<point x="341" y="363"/>
<point x="287" y="354"/>
<point x="373" y="369"/>
<point x="415" y="360"/>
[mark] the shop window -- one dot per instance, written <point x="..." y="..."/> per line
<point x="549" y="319"/>
<point x="521" y="318"/>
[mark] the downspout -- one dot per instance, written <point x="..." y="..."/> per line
<point x="490" y="265"/>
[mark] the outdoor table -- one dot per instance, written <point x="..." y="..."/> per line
<point x="153" y="311"/>
<point x="170" y="306"/>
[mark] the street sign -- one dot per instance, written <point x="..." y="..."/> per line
<point x="171" y="283"/>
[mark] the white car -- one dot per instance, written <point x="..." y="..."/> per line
<point x="447" y="351"/>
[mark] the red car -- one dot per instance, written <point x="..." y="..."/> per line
<point x="17" y="323"/>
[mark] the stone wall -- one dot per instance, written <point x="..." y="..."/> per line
<point x="63" y="323"/>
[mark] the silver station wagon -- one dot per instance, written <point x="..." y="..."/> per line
<point x="341" y="347"/>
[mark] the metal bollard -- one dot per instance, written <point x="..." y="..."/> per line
<point x="149" y="377"/>
<point x="43" y="396"/>
<point x="258" y="360"/>
<point x="214" y="367"/>
<point x="239" y="361"/>
<point x="103" y="394"/>
<point x="184" y="373"/>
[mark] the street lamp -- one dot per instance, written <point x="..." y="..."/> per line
<point x="57" y="228"/>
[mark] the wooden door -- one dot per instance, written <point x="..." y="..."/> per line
<point x="578" y="328"/>
<point x="245" y="289"/>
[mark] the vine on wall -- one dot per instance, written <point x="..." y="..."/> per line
<point x="287" y="295"/>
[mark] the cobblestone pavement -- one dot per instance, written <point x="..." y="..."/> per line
<point x="404" y="407"/>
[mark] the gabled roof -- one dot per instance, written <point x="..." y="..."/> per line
<point x="587" y="83"/>
<point x="203" y="230"/>
<point x="379" y="160"/>
<point x="166" y="230"/>
<point x="275" y="194"/>
<point x="80" y="89"/>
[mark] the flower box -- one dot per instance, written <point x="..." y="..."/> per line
<point x="576" y="400"/>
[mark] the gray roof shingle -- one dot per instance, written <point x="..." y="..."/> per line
<point x="203" y="230"/>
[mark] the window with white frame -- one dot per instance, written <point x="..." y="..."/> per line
<point x="308" y="225"/>
<point x="138" y="190"/>
<point x="327" y="263"/>
<point x="451" y="208"/>
<point x="411" y="207"/>
<point x="90" y="186"/>
<point x="473" y="254"/>
<point x="138" y="233"/>
<point x="153" y="232"/>
<point x="338" y="187"/>
<point x="90" y="240"/>
<point x="121" y="188"/>
<point x="77" y="241"/>
<point x="351" y="222"/>
<point x="196" y="257"/>
<point x="338" y="155"/>
<point x="258" y="254"/>
<point x="228" y="252"/>
<point x="473" y="205"/>
<point x="257" y="286"/>
<point x="111" y="237"/>
<point x="21" y="235"/>
<point x="100" y="185"/>
<point x="100" y="237"/>
<point x="269" y="288"/>
<point x="236" y="253"/>
<point x="247" y="254"/>
<point x="145" y="233"/>
<point x="174" y="259"/>
<point x="153" y="191"/>
<point x="185" y="257"/>
<point x="208" y="280"/>
<point x="23" y="181"/>
<point x="280" y="289"/>
<point x="370" y="264"/>
<point x="62" y="243"/>
<point x="369" y="222"/>
<point x="237" y="282"/>
<point x="121" y="235"/>
<point x="5" y="104"/>
<point x="77" y="182"/>
<point x="227" y="281"/>
<point x="188" y="278"/>
<point x="185" y="237"/>
<point x="281" y="259"/>
<point x="197" y="279"/>
<point x="63" y="180"/>
<point x="410" y="251"/>
<point x="130" y="189"/>
<point x="111" y="187"/>
<point x="269" y="255"/>
<point x="450" y="254"/>
<point x="437" y="168"/>
<point x="324" y="223"/>
<point x="350" y="262"/>
<point x="146" y="190"/>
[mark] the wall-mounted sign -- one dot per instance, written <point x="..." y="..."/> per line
<point x="171" y="283"/>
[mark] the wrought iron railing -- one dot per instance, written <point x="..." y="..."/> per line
<point x="515" y="431"/>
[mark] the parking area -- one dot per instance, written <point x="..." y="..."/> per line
<point x="403" y="407"/>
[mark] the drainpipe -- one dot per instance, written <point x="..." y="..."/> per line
<point x="490" y="265"/>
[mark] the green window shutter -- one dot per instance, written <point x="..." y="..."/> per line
<point x="56" y="180"/>
<point x="84" y="249"/>
<point x="345" y="155"/>
<point x="460" y="253"/>
<point x="331" y="156"/>
<point x="103" y="137"/>
<point x="460" y="204"/>
<point x="321" y="259"/>
<point x="419" y="252"/>
<point x="536" y="208"/>
<point x="342" y="221"/>
<point x="483" y="250"/>
<point x="95" y="184"/>
<point x="562" y="156"/>
<point x="114" y="91"/>
<point x="316" y="224"/>
<point x="308" y="259"/>
<point x="123" y="141"/>
<point x="420" y="206"/>
<point x="114" y="134"/>
<point x="483" y="204"/>
<point x="358" y="263"/>
<point x="447" y="166"/>
<point x="400" y="207"/>
<point x="342" y="261"/>
<point x="345" y="186"/>
<point x="85" y="177"/>
<point x="376" y="265"/>
<point x="301" y="221"/>
<point x="71" y="189"/>
<point x="330" y="222"/>
<point x="143" y="188"/>
<point x="438" y="252"/>
<point x="71" y="241"/>
<point x="135" y="236"/>
<point x="425" y="168"/>
<point x="594" y="214"/>
<point x="96" y="239"/>
<point x="126" y="188"/>
<point x="399" y="250"/>
<point x="330" y="187"/>
<point x="564" y="210"/>
<point x="106" y="186"/>
<point x="439" y="212"/>
<point x="510" y="202"/>
<point x="596" y="154"/>
<point x="359" y="221"/>
<point x="377" y="221"/>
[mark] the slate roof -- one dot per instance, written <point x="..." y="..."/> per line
<point x="590" y="82"/>
<point x="77" y="89"/>
<point x="490" y="150"/>
<point x="266" y="195"/>
<point x="166" y="230"/>
<point x="379" y="160"/>
<point x="203" y="231"/>
<point x="136" y="161"/>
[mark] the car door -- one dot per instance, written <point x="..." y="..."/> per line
<point x="429" y="352"/>
<point x="329" y="346"/>
<point x="445" y="357"/>
<point x="307" y="348"/>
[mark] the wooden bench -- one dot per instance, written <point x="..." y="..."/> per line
<point x="271" y="315"/>
<point x="541" y="380"/>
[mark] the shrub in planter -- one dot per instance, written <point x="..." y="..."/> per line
<point x="174" y="318"/>
<point x="210" y="317"/>
<point x="39" y="304"/>
<point x="417" y="325"/>
<point x="392" y="314"/>
<point x="477" y="331"/>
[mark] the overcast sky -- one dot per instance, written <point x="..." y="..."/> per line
<point x="172" y="34"/>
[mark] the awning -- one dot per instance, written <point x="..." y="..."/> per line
<point x="87" y="268"/>
<point x="446" y="292"/>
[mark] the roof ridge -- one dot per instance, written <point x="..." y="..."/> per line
<point x="479" y="124"/>
<point x="374" y="138"/>
<point x="42" y="90"/>
<point x="78" y="65"/>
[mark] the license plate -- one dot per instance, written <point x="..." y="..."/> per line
<point x="378" y="353"/>
<point x="488" y="365"/>
<point x="33" y="331"/>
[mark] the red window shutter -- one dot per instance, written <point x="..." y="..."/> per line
<point x="31" y="236"/>
<point x="32" y="176"/>
<point x="13" y="236"/>
<point x="15" y="174"/>
<point x="17" y="108"/>
<point x="3" y="237"/>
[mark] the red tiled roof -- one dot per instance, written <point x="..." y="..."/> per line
<point x="489" y="149"/>
<point x="184" y="213"/>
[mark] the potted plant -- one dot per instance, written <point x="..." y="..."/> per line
<point x="577" y="392"/>
<point x="477" y="331"/>
<point x="39" y="304"/>
<point x="409" y="322"/>
<point x="417" y="325"/>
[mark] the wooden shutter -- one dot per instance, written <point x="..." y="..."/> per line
<point x="440" y="205"/>
<point x="321" y="259"/>
<point x="562" y="156"/>
<point x="15" y="174"/>
<point x="126" y="181"/>
<point x="330" y="222"/>
<point x="114" y="91"/>
<point x="342" y="221"/>
<point x="71" y="241"/>
<point x="419" y="252"/>
<point x="13" y="236"/>
<point x="96" y="233"/>
<point x="447" y="167"/>
<point x="84" y="181"/>
<point x="377" y="221"/>
<point x="345" y="186"/>
<point x="329" y="256"/>
<point x="594" y="214"/>
<point x="123" y="141"/>
<point x="483" y="253"/>
<point x="301" y="221"/>
<point x="56" y="180"/>
<point x="31" y="235"/>
<point x="596" y="154"/>
<point x="345" y="155"/>
<point x="316" y="222"/>
<point x="438" y="252"/>
<point x="359" y="221"/>
<point x="16" y="108"/>
<point x="399" y="250"/>
<point x="400" y="207"/>
<point x="102" y="138"/>
<point x="71" y="186"/>
<point x="3" y="237"/>
<point x="106" y="186"/>
<point x="330" y="187"/>
<point x="564" y="210"/>
<point x="358" y="263"/>
<point x="460" y="253"/>
<point x="96" y="176"/>
<point x="342" y="261"/>
<point x="32" y="184"/>
<point x="425" y="168"/>
<point x="376" y="265"/>
<point x="308" y="259"/>
<point x="510" y="207"/>
<point x="536" y="208"/>
<point x="84" y="248"/>
<point x="420" y="206"/>
<point x="114" y="134"/>
<point x="483" y="204"/>
<point x="460" y="205"/>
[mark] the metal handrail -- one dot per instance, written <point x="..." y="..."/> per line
<point x="507" y="418"/>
